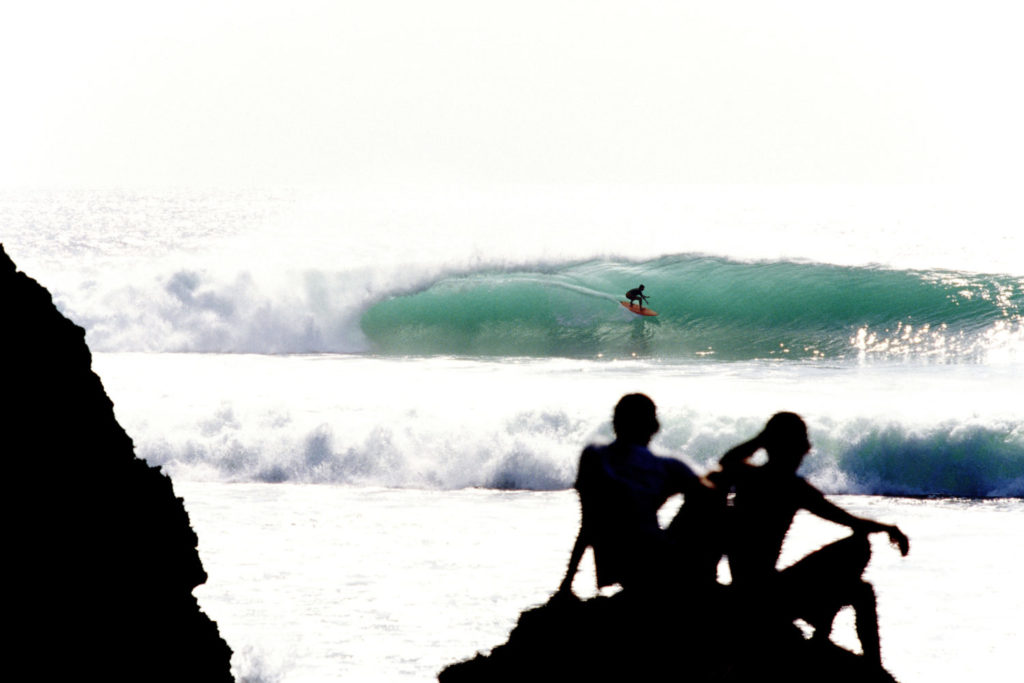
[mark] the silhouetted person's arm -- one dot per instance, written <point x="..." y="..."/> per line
<point x="574" y="563"/>
<point x="736" y="456"/>
<point x="822" y="507"/>
<point x="741" y="453"/>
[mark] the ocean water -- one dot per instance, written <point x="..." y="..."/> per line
<point x="372" y="401"/>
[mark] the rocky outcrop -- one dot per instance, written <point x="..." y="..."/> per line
<point x="691" y="636"/>
<point x="101" y="558"/>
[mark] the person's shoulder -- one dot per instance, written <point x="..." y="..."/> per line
<point x="672" y="466"/>
<point x="673" y="463"/>
<point x="802" y="483"/>
<point x="593" y="455"/>
<point x="806" y="488"/>
<point x="643" y="454"/>
<point x="757" y="479"/>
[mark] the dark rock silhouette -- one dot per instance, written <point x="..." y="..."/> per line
<point x="101" y="557"/>
<point x="696" y="636"/>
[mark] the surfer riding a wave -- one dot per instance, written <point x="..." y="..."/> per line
<point x="636" y="295"/>
<point x="638" y="308"/>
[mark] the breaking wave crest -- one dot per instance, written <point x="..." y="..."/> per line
<point x="708" y="307"/>
<point x="537" y="451"/>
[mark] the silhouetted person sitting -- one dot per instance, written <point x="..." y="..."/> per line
<point x="637" y="295"/>
<point x="621" y="487"/>
<point x="766" y="499"/>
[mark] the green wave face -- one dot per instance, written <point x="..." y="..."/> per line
<point x="708" y="308"/>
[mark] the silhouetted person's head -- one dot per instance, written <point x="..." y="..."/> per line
<point x="635" y="419"/>
<point x="641" y="288"/>
<point x="785" y="439"/>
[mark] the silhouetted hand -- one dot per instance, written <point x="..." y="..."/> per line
<point x="899" y="539"/>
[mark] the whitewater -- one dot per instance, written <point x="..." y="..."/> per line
<point x="373" y="402"/>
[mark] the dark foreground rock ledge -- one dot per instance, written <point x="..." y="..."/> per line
<point x="101" y="558"/>
<point x="698" y="637"/>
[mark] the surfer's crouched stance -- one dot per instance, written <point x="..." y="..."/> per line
<point x="637" y="295"/>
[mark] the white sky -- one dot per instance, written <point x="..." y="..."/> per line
<point x="258" y="93"/>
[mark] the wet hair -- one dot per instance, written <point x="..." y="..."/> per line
<point x="635" y="417"/>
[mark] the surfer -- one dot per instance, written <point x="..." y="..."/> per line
<point x="621" y="487"/>
<point x="637" y="294"/>
<point x="765" y="501"/>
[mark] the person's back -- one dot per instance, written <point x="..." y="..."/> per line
<point x="621" y="487"/>
<point x="766" y="501"/>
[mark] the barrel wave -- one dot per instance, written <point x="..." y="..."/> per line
<point x="708" y="307"/>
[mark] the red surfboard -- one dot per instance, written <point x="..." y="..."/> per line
<point x="639" y="310"/>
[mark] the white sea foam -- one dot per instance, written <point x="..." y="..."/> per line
<point x="457" y="423"/>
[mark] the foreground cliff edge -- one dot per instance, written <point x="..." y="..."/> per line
<point x="101" y="557"/>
